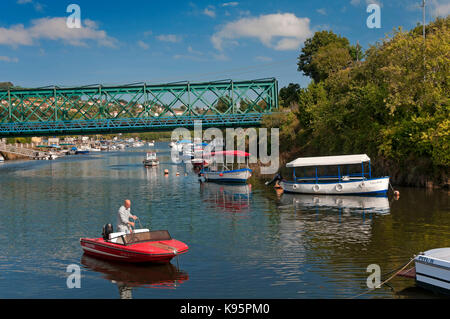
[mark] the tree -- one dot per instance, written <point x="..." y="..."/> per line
<point x="288" y="96"/>
<point x="6" y="85"/>
<point x="330" y="59"/>
<point x="223" y="104"/>
<point x="312" y="46"/>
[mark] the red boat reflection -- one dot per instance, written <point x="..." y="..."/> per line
<point x="128" y="276"/>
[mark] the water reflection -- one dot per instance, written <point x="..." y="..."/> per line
<point x="227" y="197"/>
<point x="346" y="204"/>
<point x="129" y="276"/>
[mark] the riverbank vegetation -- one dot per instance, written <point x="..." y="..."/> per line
<point x="390" y="102"/>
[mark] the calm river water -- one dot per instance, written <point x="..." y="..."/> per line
<point x="245" y="241"/>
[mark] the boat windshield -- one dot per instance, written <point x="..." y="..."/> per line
<point x="142" y="237"/>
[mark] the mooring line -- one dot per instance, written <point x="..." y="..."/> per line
<point x="387" y="280"/>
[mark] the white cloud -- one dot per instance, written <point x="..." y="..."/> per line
<point x="209" y="11"/>
<point x="143" y="45"/>
<point x="191" y="50"/>
<point x="220" y="57"/>
<point x="169" y="38"/>
<point x="378" y="2"/>
<point x="230" y="4"/>
<point x="358" y="2"/>
<point x="55" y="29"/>
<point x="280" y="31"/>
<point x="322" y="11"/>
<point x="263" y="58"/>
<point x="440" y="8"/>
<point x="8" y="59"/>
<point x="37" y="6"/>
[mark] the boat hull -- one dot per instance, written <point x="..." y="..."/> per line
<point x="433" y="270"/>
<point x="149" y="252"/>
<point x="233" y="176"/>
<point x="151" y="163"/>
<point x="368" y="186"/>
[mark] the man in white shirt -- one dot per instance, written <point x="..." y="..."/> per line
<point x="123" y="217"/>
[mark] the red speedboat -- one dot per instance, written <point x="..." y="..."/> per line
<point x="141" y="245"/>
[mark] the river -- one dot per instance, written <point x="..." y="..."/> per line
<point x="245" y="241"/>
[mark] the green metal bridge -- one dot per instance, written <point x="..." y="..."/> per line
<point x="136" y="107"/>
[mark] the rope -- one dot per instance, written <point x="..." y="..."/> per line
<point x="390" y="185"/>
<point x="387" y="280"/>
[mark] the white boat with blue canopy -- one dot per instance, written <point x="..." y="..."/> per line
<point x="342" y="180"/>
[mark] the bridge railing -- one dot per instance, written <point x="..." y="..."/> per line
<point x="108" y="105"/>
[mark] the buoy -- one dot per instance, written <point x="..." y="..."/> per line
<point x="177" y="173"/>
<point x="166" y="171"/>
<point x="221" y="174"/>
<point x="396" y="194"/>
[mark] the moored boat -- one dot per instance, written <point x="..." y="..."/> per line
<point x="344" y="183"/>
<point x="139" y="246"/>
<point x="432" y="270"/>
<point x="220" y="171"/>
<point x="151" y="159"/>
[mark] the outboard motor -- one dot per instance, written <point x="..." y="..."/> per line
<point x="107" y="229"/>
<point x="277" y="178"/>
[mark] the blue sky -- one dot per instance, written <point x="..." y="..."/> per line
<point x="167" y="41"/>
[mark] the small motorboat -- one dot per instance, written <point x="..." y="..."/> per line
<point x="138" y="246"/>
<point x="2" y="159"/>
<point x="82" y="150"/>
<point x="150" y="159"/>
<point x="199" y="163"/>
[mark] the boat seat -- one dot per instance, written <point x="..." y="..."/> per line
<point x="117" y="237"/>
<point x="139" y="237"/>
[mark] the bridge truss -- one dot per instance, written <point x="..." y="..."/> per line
<point x="135" y="107"/>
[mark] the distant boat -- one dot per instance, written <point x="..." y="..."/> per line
<point x="152" y="143"/>
<point x="150" y="159"/>
<point x="346" y="182"/>
<point x="226" y="172"/>
<point x="82" y="150"/>
<point x="2" y="159"/>
<point x="197" y="160"/>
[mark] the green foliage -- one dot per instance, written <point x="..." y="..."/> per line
<point x="313" y="45"/>
<point x="288" y="96"/>
<point x="223" y="104"/>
